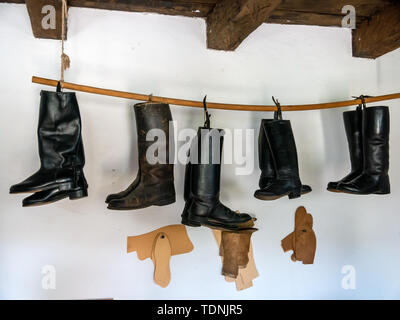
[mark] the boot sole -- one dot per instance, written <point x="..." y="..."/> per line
<point x="291" y="195"/>
<point x="214" y="224"/>
<point x="72" y="196"/>
<point x="62" y="186"/>
<point x="334" y="190"/>
<point x="158" y="203"/>
<point x="189" y="223"/>
<point x="364" y="194"/>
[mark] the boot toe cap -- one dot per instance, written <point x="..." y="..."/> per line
<point x="305" y="189"/>
<point x="348" y="187"/>
<point x="332" y="185"/>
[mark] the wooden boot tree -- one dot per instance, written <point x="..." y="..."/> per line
<point x="160" y="245"/>
<point x="302" y="240"/>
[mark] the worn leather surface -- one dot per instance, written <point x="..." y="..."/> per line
<point x="235" y="247"/>
<point x="246" y="275"/>
<point x="202" y="185"/>
<point x="302" y="240"/>
<point x="278" y="162"/>
<point x="265" y="160"/>
<point x="353" y="127"/>
<point x="60" y="148"/>
<point x="374" y="177"/>
<point x="154" y="184"/>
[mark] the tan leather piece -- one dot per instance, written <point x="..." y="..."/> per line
<point x="160" y="245"/>
<point x="161" y="256"/>
<point x="302" y="240"/>
<point x="177" y="235"/>
<point x="246" y="274"/>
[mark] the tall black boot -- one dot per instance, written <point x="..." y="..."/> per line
<point x="265" y="160"/>
<point x="374" y="178"/>
<point x="61" y="152"/>
<point x="278" y="135"/>
<point x="154" y="184"/>
<point x="203" y="206"/>
<point x="353" y="127"/>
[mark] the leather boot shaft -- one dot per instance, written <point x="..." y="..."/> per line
<point x="149" y="116"/>
<point x="59" y="131"/>
<point x="265" y="160"/>
<point x="282" y="143"/>
<point x="376" y="140"/>
<point x="353" y="126"/>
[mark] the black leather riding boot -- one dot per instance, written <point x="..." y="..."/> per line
<point x="187" y="197"/>
<point x="265" y="160"/>
<point x="154" y="184"/>
<point x="353" y="127"/>
<point x="282" y="145"/>
<point x="203" y="206"/>
<point x="374" y="178"/>
<point x="61" y="152"/>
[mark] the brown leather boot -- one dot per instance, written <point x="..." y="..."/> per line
<point x="154" y="184"/>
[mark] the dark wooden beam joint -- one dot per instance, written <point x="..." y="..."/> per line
<point x="232" y="21"/>
<point x="378" y="35"/>
<point x="46" y="18"/>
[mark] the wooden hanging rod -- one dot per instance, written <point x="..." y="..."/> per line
<point x="212" y="105"/>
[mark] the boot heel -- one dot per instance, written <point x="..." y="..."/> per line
<point x="384" y="186"/>
<point x="165" y="202"/>
<point x="295" y="194"/>
<point x="190" y="223"/>
<point x="78" y="194"/>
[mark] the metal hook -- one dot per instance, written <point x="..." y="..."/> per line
<point x="362" y="98"/>
<point x="278" y="112"/>
<point x="206" y="115"/>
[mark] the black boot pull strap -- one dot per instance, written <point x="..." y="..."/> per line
<point x="59" y="88"/>
<point x="206" y="115"/>
<point x="278" y="113"/>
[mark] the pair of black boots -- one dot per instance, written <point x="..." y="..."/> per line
<point x="367" y="132"/>
<point x="278" y="160"/>
<point x="61" y="153"/>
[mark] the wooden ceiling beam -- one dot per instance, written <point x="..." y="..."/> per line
<point x="379" y="34"/>
<point x="194" y="8"/>
<point x="232" y="21"/>
<point x="46" y="18"/>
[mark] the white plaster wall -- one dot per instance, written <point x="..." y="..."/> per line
<point x="167" y="56"/>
